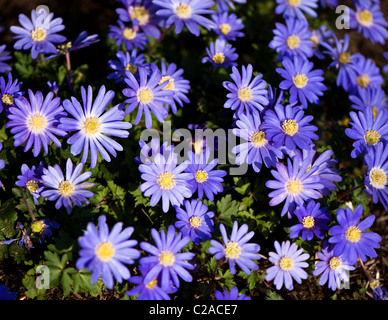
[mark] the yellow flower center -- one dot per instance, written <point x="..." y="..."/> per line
<point x="225" y="28"/>
<point x="363" y="81"/>
<point x="91" y="126"/>
<point x="293" y="3"/>
<point x="195" y="222"/>
<point x="166" y="181"/>
<point x="66" y="189"/>
<point x="37" y="226"/>
<point x="290" y="127"/>
<point x="166" y="258"/>
<point x="201" y="176"/>
<point x="198" y="146"/>
<point x="300" y="80"/>
<point x="378" y="178"/>
<point x="294" y="187"/>
<point x="140" y="14"/>
<point x="344" y="57"/>
<point x="105" y="251"/>
<point x="132" y="68"/>
<point x="308" y="222"/>
<point x="365" y="18"/>
<point x="353" y="234"/>
<point x="36" y="123"/>
<point x="170" y="85"/>
<point x="258" y="139"/>
<point x="232" y="250"/>
<point x="335" y="263"/>
<point x="245" y="94"/>
<point x="286" y="263"/>
<point x="7" y="99"/>
<point x="219" y="58"/>
<point x="145" y="96"/>
<point x="129" y="33"/>
<point x="314" y="39"/>
<point x="183" y="11"/>
<point x="32" y="185"/>
<point x="293" y="42"/>
<point x="38" y="34"/>
<point x="152" y="284"/>
<point x="375" y="112"/>
<point x="372" y="137"/>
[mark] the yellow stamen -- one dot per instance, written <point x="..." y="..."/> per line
<point x="132" y="68"/>
<point x="293" y="3"/>
<point x="129" y="33"/>
<point x="66" y="189"/>
<point x="308" y="222"/>
<point x="166" y="258"/>
<point x="290" y="127"/>
<point x="293" y="42"/>
<point x="32" y="186"/>
<point x="363" y="81"/>
<point x="166" y="181"/>
<point x="224" y="28"/>
<point x="170" y="85"/>
<point x="378" y="178"/>
<point x="151" y="284"/>
<point x="37" y="226"/>
<point x="344" y="57"/>
<point x="372" y="137"/>
<point x="353" y="234"/>
<point x="335" y="263"/>
<point x="245" y="94"/>
<point x="36" y="123"/>
<point x="300" y="80"/>
<point x="140" y="14"/>
<point x="201" y="176"/>
<point x="286" y="263"/>
<point x="105" y="251"/>
<point x="145" y="96"/>
<point x="218" y="58"/>
<point x="7" y="99"/>
<point x="195" y="222"/>
<point x="258" y="139"/>
<point x="183" y="11"/>
<point x="294" y="187"/>
<point x="315" y="39"/>
<point x="91" y="126"/>
<point x="232" y="250"/>
<point x="38" y="34"/>
<point x="365" y="18"/>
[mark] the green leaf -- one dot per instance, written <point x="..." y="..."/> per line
<point x="272" y="295"/>
<point x="82" y="282"/>
<point x="227" y="208"/>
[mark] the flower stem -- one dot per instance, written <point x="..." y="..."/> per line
<point x="26" y="203"/>
<point x="160" y="39"/>
<point x="69" y="73"/>
<point x="346" y="193"/>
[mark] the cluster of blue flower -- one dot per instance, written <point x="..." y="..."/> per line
<point x="273" y="130"/>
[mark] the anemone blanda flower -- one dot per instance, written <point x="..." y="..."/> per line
<point x="105" y="253"/>
<point x="227" y="26"/>
<point x="332" y="269"/>
<point x="349" y="237"/>
<point x="342" y="61"/>
<point x="31" y="179"/>
<point x="275" y="96"/>
<point x="149" y="150"/>
<point x="312" y="220"/>
<point x="245" y="94"/>
<point x="257" y="149"/>
<point x="233" y="294"/>
<point x="176" y="83"/>
<point x="187" y="13"/>
<point x="44" y="228"/>
<point x="320" y="35"/>
<point x="165" y="179"/>
<point x="35" y="121"/>
<point x="367" y="130"/>
<point x="292" y="39"/>
<point x="130" y="36"/>
<point x="289" y="262"/>
<point x="68" y="189"/>
<point x="38" y="34"/>
<point x="376" y="176"/>
<point x="9" y="91"/>
<point x="304" y="83"/>
<point x="165" y="258"/>
<point x="221" y="54"/>
<point x="296" y="8"/>
<point x="368" y="19"/>
<point x="147" y="95"/>
<point x="224" y="5"/>
<point x="6" y="294"/>
<point x="367" y="73"/>
<point x="2" y="162"/>
<point x="205" y="180"/>
<point x="195" y="221"/>
<point x="93" y="123"/>
<point x="128" y="61"/>
<point x="295" y="184"/>
<point x="236" y="249"/>
<point x="373" y="97"/>
<point x="4" y="56"/>
<point x="289" y="126"/>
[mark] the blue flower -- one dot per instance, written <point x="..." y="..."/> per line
<point x="319" y="36"/>
<point x="66" y="190"/>
<point x="165" y="258"/>
<point x="148" y="151"/>
<point x="292" y="39"/>
<point x="131" y="37"/>
<point x="231" y="295"/>
<point x="2" y="162"/>
<point x="105" y="253"/>
<point x="332" y="268"/>
<point x="296" y="8"/>
<point x="257" y="149"/>
<point x="187" y="13"/>
<point x="31" y="179"/>
<point x="227" y="26"/>
<point x="204" y="178"/>
<point x="369" y="97"/>
<point x="195" y="221"/>
<point x="289" y="126"/>
<point x="295" y="184"/>
<point x="165" y="180"/>
<point x="367" y="130"/>
<point x="224" y="5"/>
<point x="303" y="83"/>
<point x="38" y="34"/>
<point x="93" y="125"/>
<point x="6" y="294"/>
<point x="128" y="61"/>
<point x="9" y="91"/>
<point x="147" y="95"/>
<point x="221" y="54"/>
<point x="4" y="56"/>
<point x="349" y="237"/>
<point x="45" y="228"/>
<point x="36" y="121"/>
<point x="289" y="262"/>
<point x="367" y="73"/>
<point x="236" y="249"/>
<point x="246" y="94"/>
<point x="369" y="20"/>
<point x="312" y="219"/>
<point x="376" y="176"/>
